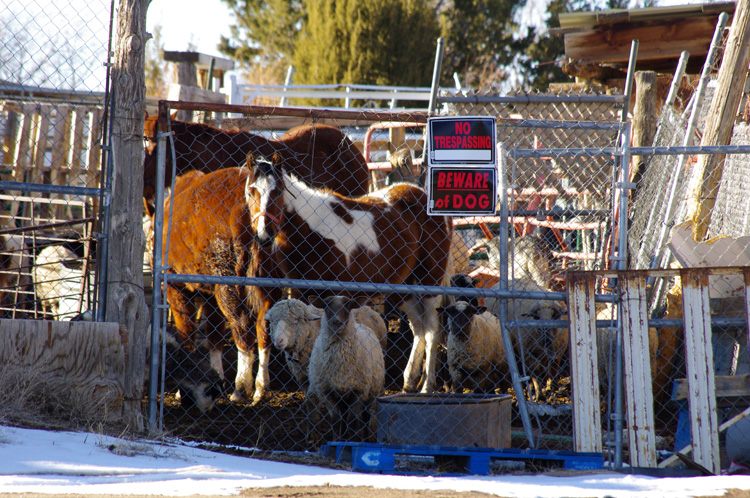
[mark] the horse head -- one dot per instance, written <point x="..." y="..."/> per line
<point x="150" y="140"/>
<point x="264" y="194"/>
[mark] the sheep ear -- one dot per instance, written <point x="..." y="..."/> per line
<point x="313" y="312"/>
<point x="352" y="304"/>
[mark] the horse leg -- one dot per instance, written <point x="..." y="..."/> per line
<point x="231" y="301"/>
<point x="265" y="299"/>
<point x="416" y="358"/>
<point x="423" y="320"/>
<point x="431" y="329"/>
<point x="184" y="314"/>
<point x="214" y="332"/>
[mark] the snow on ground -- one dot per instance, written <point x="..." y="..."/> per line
<point x="36" y="461"/>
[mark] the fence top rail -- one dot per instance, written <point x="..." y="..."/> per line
<point x="666" y="272"/>
<point x="340" y="86"/>
<point x="302" y="112"/>
<point x="531" y="99"/>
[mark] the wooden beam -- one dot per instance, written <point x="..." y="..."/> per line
<point x="645" y="119"/>
<point x="657" y="40"/>
<point x="730" y="84"/>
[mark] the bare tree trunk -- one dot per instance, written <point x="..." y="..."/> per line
<point x="125" y="298"/>
<point x="644" y="120"/>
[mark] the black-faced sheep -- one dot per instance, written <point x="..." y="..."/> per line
<point x="294" y="326"/>
<point x="476" y="355"/>
<point x="346" y="372"/>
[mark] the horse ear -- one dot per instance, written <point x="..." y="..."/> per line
<point x="173" y="116"/>
<point x="251" y="161"/>
<point x="276" y="159"/>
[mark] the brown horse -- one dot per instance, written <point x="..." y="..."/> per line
<point x="383" y="237"/>
<point x="212" y="235"/>
<point x="321" y="155"/>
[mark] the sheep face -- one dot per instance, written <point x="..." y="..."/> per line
<point x="337" y="312"/>
<point x="286" y="320"/>
<point x="459" y="315"/>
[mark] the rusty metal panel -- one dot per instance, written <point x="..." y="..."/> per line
<point x="587" y="426"/>
<point x="637" y="368"/>
<point x="699" y="358"/>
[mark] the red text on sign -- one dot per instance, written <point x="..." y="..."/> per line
<point x="463" y="180"/>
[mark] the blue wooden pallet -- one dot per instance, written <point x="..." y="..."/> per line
<point x="375" y="457"/>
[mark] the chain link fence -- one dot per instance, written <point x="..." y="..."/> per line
<point x="53" y="77"/>
<point x="226" y="293"/>
<point x="560" y="221"/>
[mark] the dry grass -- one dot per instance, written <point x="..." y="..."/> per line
<point x="32" y="400"/>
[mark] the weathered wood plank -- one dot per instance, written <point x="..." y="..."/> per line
<point x="699" y="360"/>
<point x="587" y="425"/>
<point x="637" y="367"/>
<point x="657" y="40"/>
<point x="84" y="362"/>
<point x="727" y="386"/>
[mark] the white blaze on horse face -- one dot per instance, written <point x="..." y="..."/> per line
<point x="264" y="185"/>
<point x="316" y="208"/>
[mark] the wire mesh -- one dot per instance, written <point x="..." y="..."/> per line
<point x="560" y="219"/>
<point x="661" y="235"/>
<point x="53" y="76"/>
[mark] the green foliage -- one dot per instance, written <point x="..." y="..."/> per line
<point x="379" y="42"/>
<point x="265" y="32"/>
<point x="392" y="42"/>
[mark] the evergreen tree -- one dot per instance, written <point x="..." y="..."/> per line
<point x="156" y="67"/>
<point x="378" y="42"/>
<point x="264" y="36"/>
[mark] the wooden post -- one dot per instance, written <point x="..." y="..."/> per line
<point x="125" y="302"/>
<point x="186" y="75"/>
<point x="644" y="119"/>
<point x="699" y="361"/>
<point x="639" y="399"/>
<point x="584" y="377"/>
<point x="704" y="182"/>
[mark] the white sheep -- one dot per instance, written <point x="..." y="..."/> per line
<point x="294" y="326"/>
<point x="15" y="279"/>
<point x="346" y="371"/>
<point x="476" y="355"/>
<point x="58" y="279"/>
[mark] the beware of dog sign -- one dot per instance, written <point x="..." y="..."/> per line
<point x="462" y="167"/>
<point x="461" y="140"/>
<point x="462" y="191"/>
